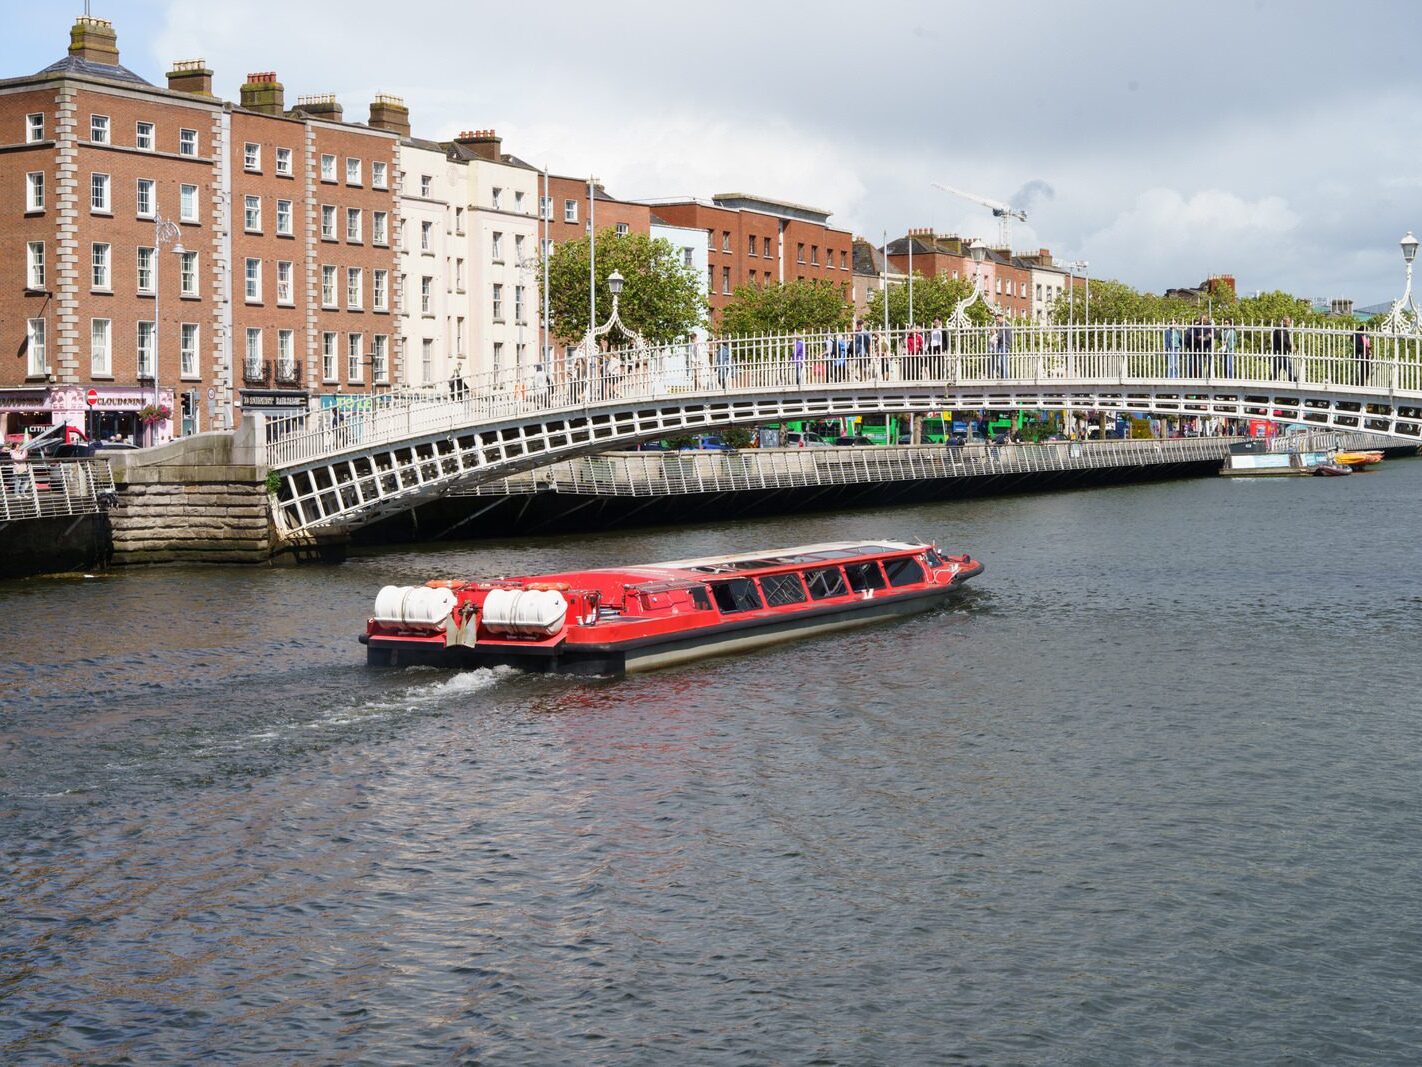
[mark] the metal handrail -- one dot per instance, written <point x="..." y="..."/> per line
<point x="1254" y="356"/>
<point x="53" y="488"/>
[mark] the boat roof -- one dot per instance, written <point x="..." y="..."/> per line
<point x="682" y="572"/>
<point x="789" y="557"/>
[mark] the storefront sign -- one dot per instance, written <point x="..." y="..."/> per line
<point x="274" y="400"/>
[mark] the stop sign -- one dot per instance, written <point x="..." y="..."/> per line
<point x="91" y="397"/>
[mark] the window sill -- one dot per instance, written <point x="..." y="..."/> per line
<point x="251" y="170"/>
<point x="431" y="316"/>
<point x="190" y="377"/>
<point x="285" y="174"/>
<point x="354" y="241"/>
<point x="41" y="377"/>
<point x="189" y="222"/>
<point x="34" y="212"/>
<point x="380" y="311"/>
<point x="381" y="244"/>
<point x="286" y="303"/>
<point x="97" y="376"/>
<point x="354" y="185"/>
<point x="253" y="303"/>
<point x="329" y="240"/>
<point x="101" y="291"/>
<point x="189" y="296"/>
<point x="288" y="236"/>
<point x="252" y="233"/>
<point x="101" y="213"/>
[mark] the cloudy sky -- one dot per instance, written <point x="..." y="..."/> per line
<point x="1275" y="140"/>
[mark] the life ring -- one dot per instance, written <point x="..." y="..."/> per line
<point x="446" y="583"/>
<point x="545" y="587"/>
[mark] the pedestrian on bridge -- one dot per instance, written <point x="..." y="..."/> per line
<point x="1172" y="350"/>
<point x="1000" y="343"/>
<point x="1362" y="354"/>
<point x="723" y="362"/>
<point x="799" y="360"/>
<point x="863" y="345"/>
<point x="1282" y="345"/>
<point x="1229" y="341"/>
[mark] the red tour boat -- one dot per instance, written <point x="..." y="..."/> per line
<point x="636" y="618"/>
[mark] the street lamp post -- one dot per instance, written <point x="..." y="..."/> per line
<point x="164" y="231"/>
<point x="1403" y="317"/>
<point x="959" y="319"/>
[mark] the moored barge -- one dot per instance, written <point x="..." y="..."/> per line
<point x="620" y="619"/>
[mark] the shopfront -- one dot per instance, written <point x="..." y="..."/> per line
<point x="129" y="414"/>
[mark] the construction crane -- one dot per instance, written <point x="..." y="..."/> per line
<point x="1004" y="213"/>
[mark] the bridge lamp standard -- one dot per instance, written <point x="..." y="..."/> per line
<point x="1397" y="318"/>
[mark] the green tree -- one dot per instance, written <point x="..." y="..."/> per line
<point x="661" y="296"/>
<point x="785" y="307"/>
<point x="933" y="298"/>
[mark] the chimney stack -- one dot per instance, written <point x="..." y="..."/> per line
<point x="190" y="76"/>
<point x="262" y="92"/>
<point x="94" y="40"/>
<point x="485" y="144"/>
<point x="390" y="113"/>
<point x="321" y="106"/>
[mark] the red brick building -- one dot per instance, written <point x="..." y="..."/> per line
<point x="758" y="241"/>
<point x="132" y="217"/>
<point x="569" y="210"/>
<point x="1006" y="281"/>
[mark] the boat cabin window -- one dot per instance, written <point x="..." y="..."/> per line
<point x="934" y="559"/>
<point x="826" y="582"/>
<point x="782" y="589"/>
<point x="864" y="576"/>
<point x="738" y="594"/>
<point x="905" y="571"/>
<point x="700" y="598"/>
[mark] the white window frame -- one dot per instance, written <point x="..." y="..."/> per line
<point x="146" y="348"/>
<point x="187" y="203"/>
<point x="426" y="231"/>
<point x="188" y="274"/>
<point x="328" y="167"/>
<point x="283" y="218"/>
<point x="623" y="229"/>
<point x="379" y="228"/>
<point x="518" y="202"/>
<point x="496" y="197"/>
<point x="379" y="174"/>
<point x="145" y="262"/>
<point x="426" y="186"/>
<point x="427" y="360"/>
<point x="353" y="225"/>
<point x="496" y="246"/>
<point x="353" y="171"/>
<point x="328" y="357"/>
<point x="328" y="287"/>
<point x="252" y="157"/>
<point x="252" y="353"/>
<point x="496" y="294"/>
<point x="380" y="289"/>
<point x="252" y="280"/>
<point x="99" y="129"/>
<point x="328" y="222"/>
<point x="545" y="207"/>
<point x="144" y="131"/>
<point x="187" y="142"/>
<point x="34" y="265"/>
<point x="570" y="211"/>
<point x="152" y="186"/>
<point x="100" y="194"/>
<point x="34" y="191"/>
<point x="252" y="214"/>
<point x="283" y="162"/>
<point x="518" y="303"/>
<point x="355" y="357"/>
<point x="34" y="127"/>
<point x="380" y="359"/>
<point x="188" y="335"/>
<point x="286" y="351"/>
<point x="101" y="266"/>
<point x="101" y="347"/>
<point x="285" y="282"/>
<point x="426" y="295"/>
<point x="355" y="289"/>
<point x="36" y="349"/>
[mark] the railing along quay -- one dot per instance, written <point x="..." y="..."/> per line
<point x="649" y="474"/>
<point x="42" y="489"/>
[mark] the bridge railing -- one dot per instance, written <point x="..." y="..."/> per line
<point x="1102" y="354"/>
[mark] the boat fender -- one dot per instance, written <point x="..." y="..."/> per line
<point x="543" y="587"/>
<point x="525" y="612"/>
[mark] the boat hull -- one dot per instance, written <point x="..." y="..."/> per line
<point x="652" y="653"/>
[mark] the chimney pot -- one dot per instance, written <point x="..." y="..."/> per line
<point x="94" y="40"/>
<point x="262" y="92"/>
<point x="190" y="76"/>
<point x="389" y="112"/>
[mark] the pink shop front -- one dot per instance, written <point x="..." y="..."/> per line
<point x="118" y="413"/>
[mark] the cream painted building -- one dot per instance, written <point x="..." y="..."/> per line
<point x="500" y="242"/>
<point x="433" y="262"/>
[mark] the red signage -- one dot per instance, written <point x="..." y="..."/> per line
<point x="91" y="397"/>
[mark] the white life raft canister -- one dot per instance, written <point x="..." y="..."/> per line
<point x="414" y="607"/>
<point x="524" y="612"/>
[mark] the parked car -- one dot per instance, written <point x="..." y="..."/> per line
<point x="852" y="439"/>
<point x="708" y="442"/>
<point x="653" y="446"/>
<point x="905" y="438"/>
<point x="805" y="439"/>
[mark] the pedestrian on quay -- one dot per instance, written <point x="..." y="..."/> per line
<point x="1000" y="344"/>
<point x="1281" y="343"/>
<point x="1362" y="355"/>
<point x="1172" y="350"/>
<point x="1229" y="341"/>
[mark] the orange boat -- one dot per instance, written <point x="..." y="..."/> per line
<point x="1357" y="460"/>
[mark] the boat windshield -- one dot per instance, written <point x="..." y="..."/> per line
<point x="903" y="571"/>
<point x="736" y="595"/>
<point x="826" y="582"/>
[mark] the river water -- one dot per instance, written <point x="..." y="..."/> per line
<point x="1147" y="793"/>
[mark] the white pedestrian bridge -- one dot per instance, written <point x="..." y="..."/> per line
<point x="345" y="466"/>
